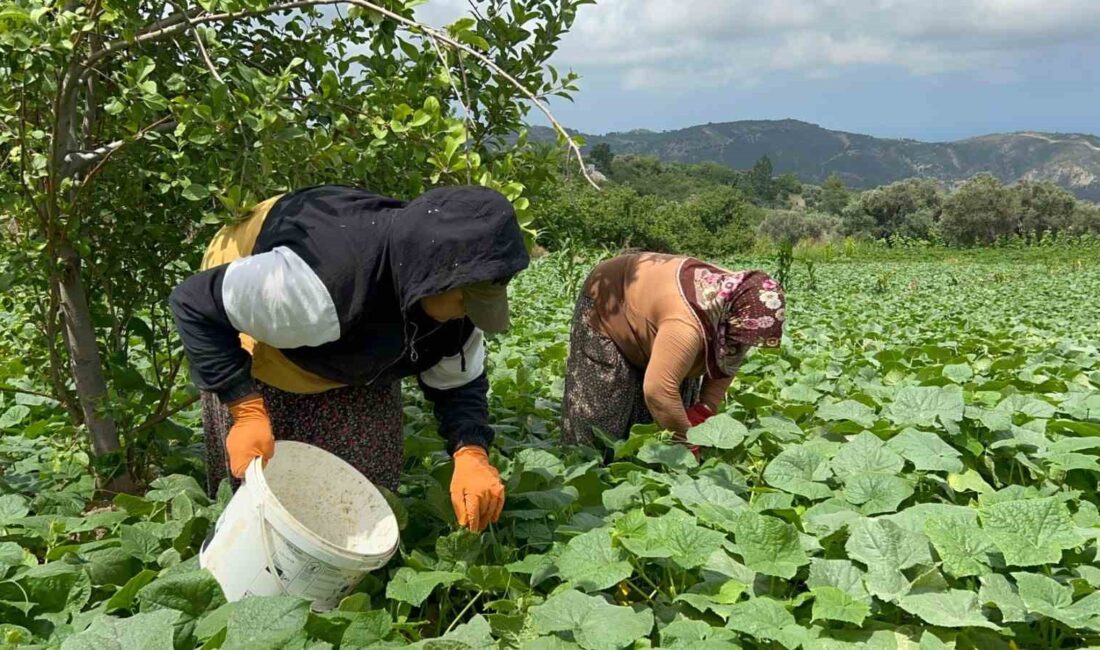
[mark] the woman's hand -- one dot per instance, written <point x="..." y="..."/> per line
<point x="476" y="491"/>
<point x="250" y="436"/>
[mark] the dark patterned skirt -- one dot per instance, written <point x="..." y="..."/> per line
<point x="602" y="389"/>
<point x="360" y="424"/>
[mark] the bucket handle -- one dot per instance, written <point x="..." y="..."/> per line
<point x="265" y="541"/>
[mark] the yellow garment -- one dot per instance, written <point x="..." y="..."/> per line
<point x="269" y="365"/>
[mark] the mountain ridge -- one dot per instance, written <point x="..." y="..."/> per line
<point x="1072" y="160"/>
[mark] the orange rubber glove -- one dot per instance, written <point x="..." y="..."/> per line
<point x="250" y="436"/>
<point x="476" y="491"/>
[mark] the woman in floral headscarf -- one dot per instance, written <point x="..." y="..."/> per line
<point x="659" y="338"/>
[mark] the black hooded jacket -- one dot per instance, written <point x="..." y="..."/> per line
<point x="334" y="282"/>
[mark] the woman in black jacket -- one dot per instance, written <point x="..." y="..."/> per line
<point x="307" y="314"/>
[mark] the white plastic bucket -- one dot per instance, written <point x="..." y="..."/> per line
<point x="308" y="524"/>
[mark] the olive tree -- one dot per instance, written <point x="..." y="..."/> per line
<point x="129" y="129"/>
<point x="980" y="212"/>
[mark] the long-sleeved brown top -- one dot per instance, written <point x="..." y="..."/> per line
<point x="640" y="307"/>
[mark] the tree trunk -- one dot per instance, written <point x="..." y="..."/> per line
<point x="87" y="370"/>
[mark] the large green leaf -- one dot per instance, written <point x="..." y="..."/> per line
<point x="883" y="543"/>
<point x="717" y="596"/>
<point x="865" y="454"/>
<point x="686" y="634"/>
<point x="996" y="590"/>
<point x="886" y="582"/>
<point x="960" y="373"/>
<point x="720" y="431"/>
<point x="799" y="393"/>
<point x="840" y="574"/>
<point x="952" y="608"/>
<point x="1026" y="405"/>
<point x="541" y="462"/>
<point x="55" y="587"/>
<point x="848" y="409"/>
<point x="677" y="536"/>
<point x="193" y="593"/>
<point x="594" y="623"/>
<point x="709" y="501"/>
<point x="768" y="620"/>
<point x="926" y="451"/>
<point x="141" y="543"/>
<point x="1043" y="595"/>
<point x="924" y="405"/>
<point x="961" y="544"/>
<point x="411" y="586"/>
<point x="591" y="562"/>
<point x="12" y="508"/>
<point x="800" y="470"/>
<point x="14" y="416"/>
<point x="1030" y="532"/>
<point x="769" y="545"/>
<point x="832" y="604"/>
<point x="473" y="635"/>
<point x="148" y="631"/>
<point x="167" y="488"/>
<point x="553" y="500"/>
<point x="265" y="622"/>
<point x="669" y="455"/>
<point x="877" y="493"/>
<point x="366" y="628"/>
<point x="124" y="597"/>
<point x="621" y="497"/>
<point x="11" y="555"/>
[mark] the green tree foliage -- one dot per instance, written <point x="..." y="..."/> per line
<point x="887" y="207"/>
<point x="787" y="185"/>
<point x="834" y="195"/>
<point x="1044" y="207"/>
<point x="762" y="180"/>
<point x="716" y="220"/>
<point x="649" y="176"/>
<point x="793" y="226"/>
<point x="980" y="212"/>
<point x="983" y="211"/>
<point x="1085" y="220"/>
<point x="686" y="195"/>
<point x="132" y="129"/>
<point x="602" y="157"/>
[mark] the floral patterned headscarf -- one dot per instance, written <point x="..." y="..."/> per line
<point x="737" y="310"/>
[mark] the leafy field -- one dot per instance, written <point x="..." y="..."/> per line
<point x="916" y="467"/>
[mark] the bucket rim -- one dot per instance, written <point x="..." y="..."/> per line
<point x="254" y="475"/>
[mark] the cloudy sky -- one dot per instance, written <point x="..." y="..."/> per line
<point x="924" y="69"/>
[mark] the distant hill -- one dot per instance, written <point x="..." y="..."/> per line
<point x="812" y="152"/>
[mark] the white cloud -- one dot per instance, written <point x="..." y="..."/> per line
<point x="653" y="43"/>
<point x="440" y="12"/>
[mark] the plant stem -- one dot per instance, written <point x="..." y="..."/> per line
<point x="649" y="582"/>
<point x="463" y="612"/>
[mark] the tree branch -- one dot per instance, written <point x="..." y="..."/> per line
<point x="24" y="391"/>
<point x="78" y="161"/>
<point x="206" y="56"/>
<point x="414" y="26"/>
<point x="161" y="30"/>
<point x="179" y="22"/>
<point x="161" y="417"/>
<point x="464" y="103"/>
<point x="52" y="328"/>
<point x="202" y="46"/>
